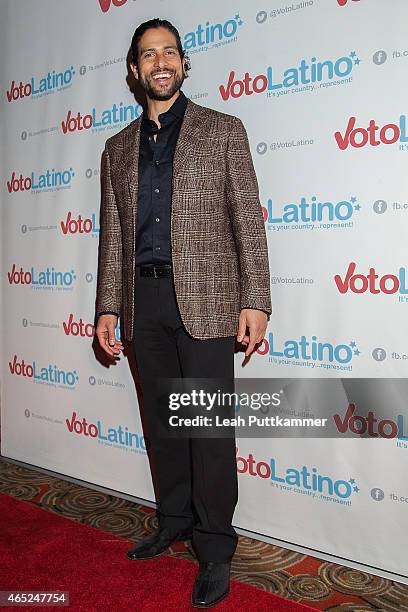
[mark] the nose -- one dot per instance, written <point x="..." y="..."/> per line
<point x="159" y="60"/>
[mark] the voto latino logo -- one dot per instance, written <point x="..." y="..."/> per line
<point x="36" y="182"/>
<point x="79" y="328"/>
<point x="344" y="2"/>
<point x="309" y="351"/>
<point x="211" y="35"/>
<point x="49" y="278"/>
<point x="299" y="479"/>
<point x="371" y="282"/>
<point x="49" y="374"/>
<point x="114" y="435"/>
<point x="370" y="425"/>
<point x="39" y="86"/>
<point x="105" y="5"/>
<point x="310" y="214"/>
<point x="116" y="115"/>
<point x="373" y="135"/>
<point x="80" y="225"/>
<point x="307" y="76"/>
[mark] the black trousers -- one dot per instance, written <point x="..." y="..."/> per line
<point x="195" y="478"/>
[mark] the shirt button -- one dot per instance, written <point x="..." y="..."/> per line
<point x="157" y="219"/>
<point x="157" y="190"/>
<point x="156" y="163"/>
<point x="157" y="248"/>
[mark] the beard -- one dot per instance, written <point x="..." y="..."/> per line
<point x="155" y="92"/>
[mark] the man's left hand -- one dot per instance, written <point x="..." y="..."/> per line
<point x="256" y="321"/>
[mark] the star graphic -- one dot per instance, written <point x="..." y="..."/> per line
<point x="352" y="480"/>
<point x="353" y="54"/>
<point x="357" y="207"/>
<point x="352" y="344"/>
<point x="357" y="352"/>
<point x="357" y="61"/>
<point x="239" y="20"/>
<point x="353" y="199"/>
<point x="356" y="489"/>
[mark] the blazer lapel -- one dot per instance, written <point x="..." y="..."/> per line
<point x="131" y="159"/>
<point x="190" y="128"/>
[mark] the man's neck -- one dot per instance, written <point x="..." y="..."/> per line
<point x="156" y="107"/>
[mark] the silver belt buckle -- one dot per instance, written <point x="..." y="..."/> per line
<point x="155" y="271"/>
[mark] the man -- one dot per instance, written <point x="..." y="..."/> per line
<point x="183" y="259"/>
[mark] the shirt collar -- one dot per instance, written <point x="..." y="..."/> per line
<point x="179" y="106"/>
<point x="177" y="109"/>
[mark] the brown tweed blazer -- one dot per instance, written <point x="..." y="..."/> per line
<point x="218" y="239"/>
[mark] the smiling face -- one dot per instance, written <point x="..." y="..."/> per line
<point x="160" y="70"/>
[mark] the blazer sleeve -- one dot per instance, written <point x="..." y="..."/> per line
<point x="109" y="282"/>
<point x="247" y="221"/>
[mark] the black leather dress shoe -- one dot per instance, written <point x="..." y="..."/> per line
<point x="156" y="543"/>
<point x="212" y="584"/>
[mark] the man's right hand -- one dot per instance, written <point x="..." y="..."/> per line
<point x="105" y="332"/>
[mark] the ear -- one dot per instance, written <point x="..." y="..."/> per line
<point x="186" y="65"/>
<point x="134" y="70"/>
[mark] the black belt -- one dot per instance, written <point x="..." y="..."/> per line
<point x="156" y="270"/>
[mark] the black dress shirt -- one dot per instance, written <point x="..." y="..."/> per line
<point x="153" y="236"/>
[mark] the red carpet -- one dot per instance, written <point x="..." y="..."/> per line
<point x="40" y="550"/>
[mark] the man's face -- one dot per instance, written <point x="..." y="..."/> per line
<point x="160" y="66"/>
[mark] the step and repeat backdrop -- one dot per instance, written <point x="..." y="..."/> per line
<point x="321" y="88"/>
